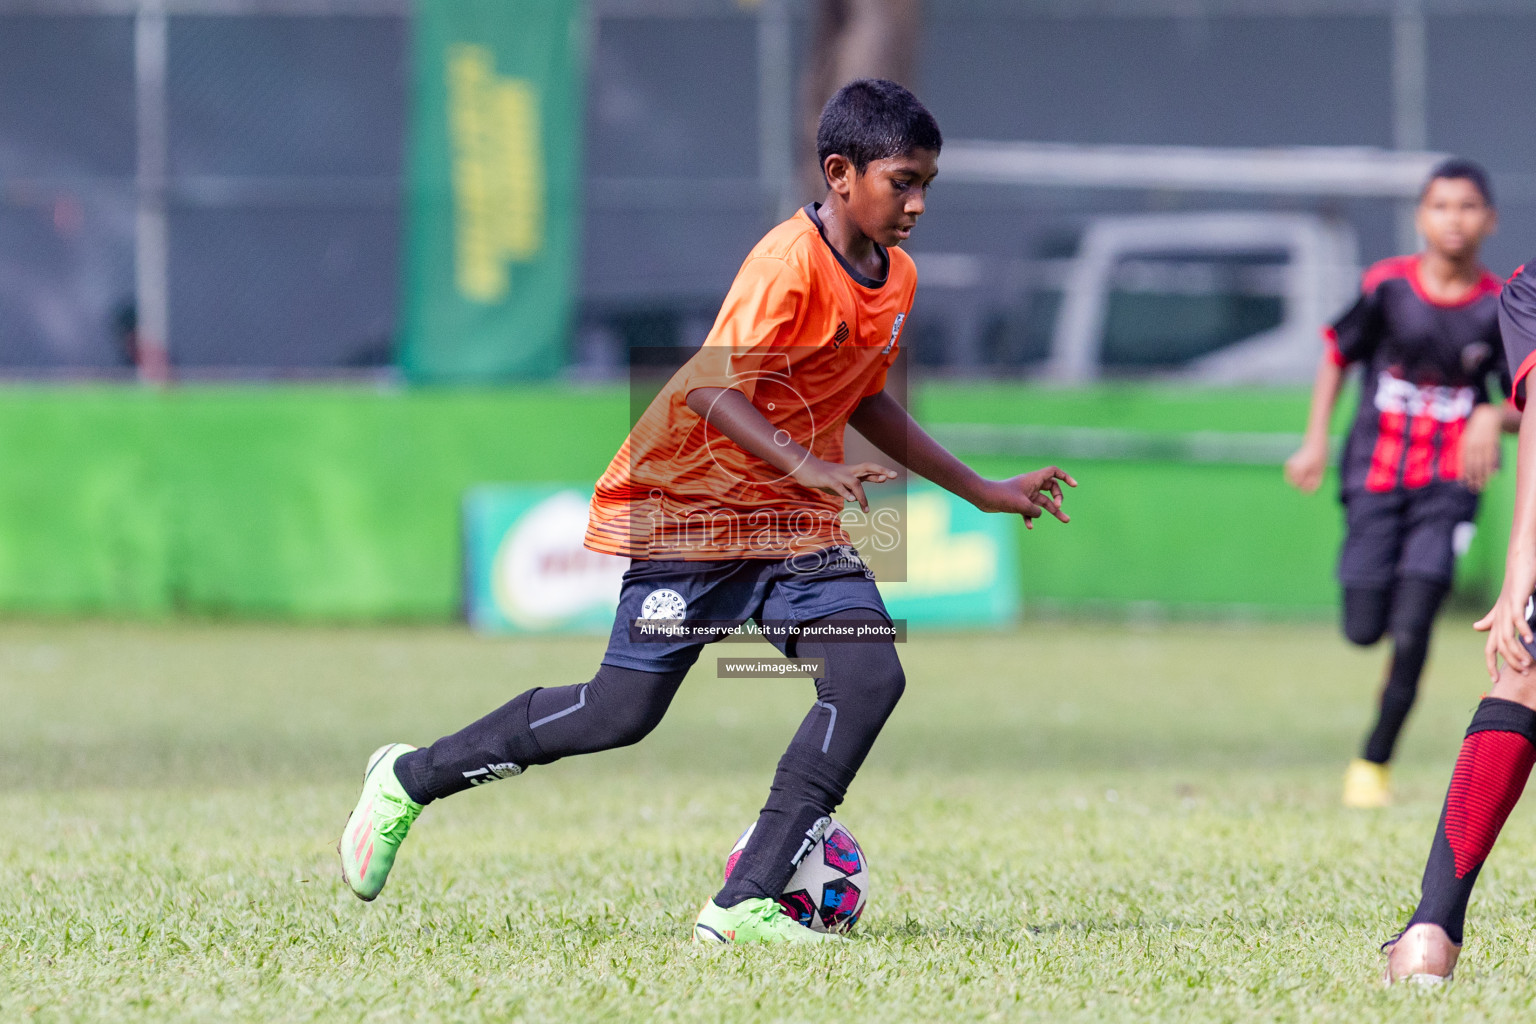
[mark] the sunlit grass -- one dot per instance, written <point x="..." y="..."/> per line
<point x="1069" y="822"/>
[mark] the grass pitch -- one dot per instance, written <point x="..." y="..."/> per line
<point x="1069" y="822"/>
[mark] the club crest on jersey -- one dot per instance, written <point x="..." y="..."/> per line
<point x="840" y="335"/>
<point x="663" y="604"/>
<point x="895" y="331"/>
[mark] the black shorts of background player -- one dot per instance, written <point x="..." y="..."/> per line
<point x="1423" y="443"/>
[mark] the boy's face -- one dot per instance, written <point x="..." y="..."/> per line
<point x="1454" y="218"/>
<point x="885" y="200"/>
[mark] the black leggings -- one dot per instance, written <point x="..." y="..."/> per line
<point x="1408" y="610"/>
<point x="860" y="685"/>
<point x="615" y="708"/>
<point x="857" y="691"/>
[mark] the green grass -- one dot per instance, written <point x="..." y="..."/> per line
<point x="1070" y="822"/>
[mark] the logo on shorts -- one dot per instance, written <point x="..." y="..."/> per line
<point x="663" y="604"/>
<point x="846" y="557"/>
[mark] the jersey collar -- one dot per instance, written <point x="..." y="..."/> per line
<point x="868" y="282"/>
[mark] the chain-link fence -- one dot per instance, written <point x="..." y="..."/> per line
<point x="279" y="203"/>
<point x="279" y="197"/>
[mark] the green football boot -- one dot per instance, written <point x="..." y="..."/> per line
<point x="377" y="825"/>
<point x="755" y="920"/>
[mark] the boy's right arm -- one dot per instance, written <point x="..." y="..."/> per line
<point x="1306" y="467"/>
<point x="731" y="413"/>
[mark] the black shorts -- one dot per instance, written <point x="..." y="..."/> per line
<point x="792" y="591"/>
<point x="1405" y="533"/>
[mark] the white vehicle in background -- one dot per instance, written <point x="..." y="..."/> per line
<point x="1217" y="297"/>
<point x="1221" y="297"/>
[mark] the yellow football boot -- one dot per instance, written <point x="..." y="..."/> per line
<point x="1367" y="784"/>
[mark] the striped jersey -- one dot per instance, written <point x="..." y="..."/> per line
<point x="806" y="338"/>
<point x="1425" y="365"/>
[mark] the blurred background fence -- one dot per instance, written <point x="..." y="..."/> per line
<point x="285" y="140"/>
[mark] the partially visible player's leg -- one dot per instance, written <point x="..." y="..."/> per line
<point x="620" y="705"/>
<point x="1432" y="517"/>
<point x="617" y="707"/>
<point x="1415" y="603"/>
<point x="1377" y="527"/>
<point x="1366" y="612"/>
<point x="1491" y="772"/>
<point x="860" y="687"/>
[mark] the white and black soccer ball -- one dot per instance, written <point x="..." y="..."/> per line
<point x="830" y="889"/>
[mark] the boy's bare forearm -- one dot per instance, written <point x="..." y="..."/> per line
<point x="889" y="427"/>
<point x="733" y="414"/>
<point x="1325" y="394"/>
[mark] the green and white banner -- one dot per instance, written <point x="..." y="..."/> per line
<point x="493" y="189"/>
<point x="525" y="570"/>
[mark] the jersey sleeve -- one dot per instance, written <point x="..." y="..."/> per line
<point x="761" y="313"/>
<point x="877" y="384"/>
<point x="1353" y="337"/>
<point x="1517" y="325"/>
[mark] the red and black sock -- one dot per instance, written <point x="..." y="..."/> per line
<point x="1490" y="775"/>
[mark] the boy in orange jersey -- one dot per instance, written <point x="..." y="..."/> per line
<point x="727" y="497"/>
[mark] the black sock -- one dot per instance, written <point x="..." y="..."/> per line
<point x="1414" y="605"/>
<point x="804" y="793"/>
<point x="496" y="746"/>
<point x="1490" y="774"/>
<point x="617" y="707"/>
<point x="858" y="690"/>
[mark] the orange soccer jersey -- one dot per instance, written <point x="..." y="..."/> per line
<point x="806" y="339"/>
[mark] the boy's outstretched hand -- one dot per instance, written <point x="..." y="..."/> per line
<point x="1506" y="626"/>
<point x="1027" y="495"/>
<point x="845" y="481"/>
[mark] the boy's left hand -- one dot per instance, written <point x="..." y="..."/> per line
<point x="1027" y="495"/>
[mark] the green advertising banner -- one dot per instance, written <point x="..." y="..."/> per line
<point x="526" y="571"/>
<point x="493" y="189"/>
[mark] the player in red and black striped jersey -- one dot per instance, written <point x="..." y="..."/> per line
<point x="1425" y="333"/>
<point x="1500" y="744"/>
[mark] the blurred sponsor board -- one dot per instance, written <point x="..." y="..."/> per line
<point x="526" y="571"/>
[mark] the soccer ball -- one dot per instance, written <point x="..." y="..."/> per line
<point x="830" y="888"/>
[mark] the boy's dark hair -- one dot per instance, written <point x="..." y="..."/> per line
<point x="874" y="119"/>
<point x="1458" y="169"/>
